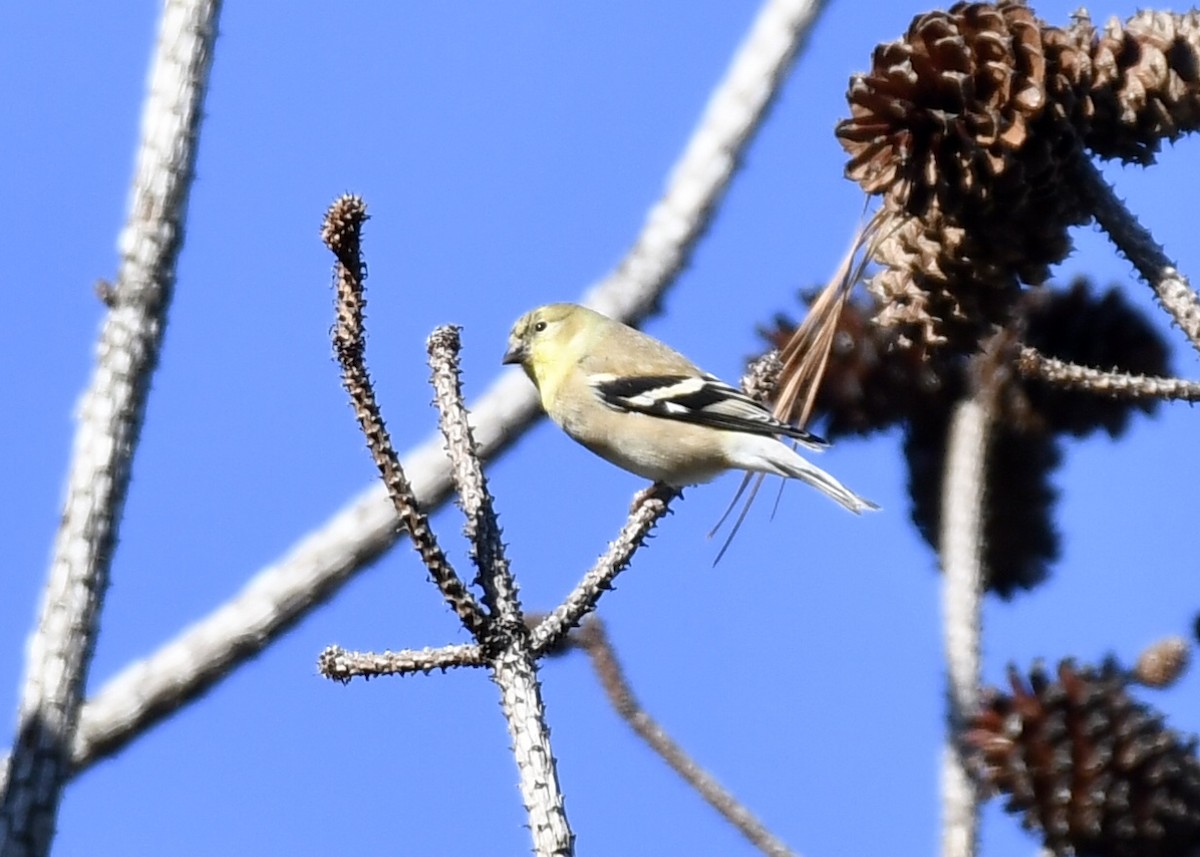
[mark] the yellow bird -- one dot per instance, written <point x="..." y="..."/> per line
<point x="646" y="408"/>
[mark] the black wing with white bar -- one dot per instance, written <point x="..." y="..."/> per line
<point x="703" y="400"/>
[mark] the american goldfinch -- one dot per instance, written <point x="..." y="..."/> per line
<point x="645" y="407"/>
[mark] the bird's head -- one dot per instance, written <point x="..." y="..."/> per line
<point x="539" y="336"/>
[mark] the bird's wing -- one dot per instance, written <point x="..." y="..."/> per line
<point x="700" y="399"/>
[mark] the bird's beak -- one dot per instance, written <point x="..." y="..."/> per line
<point x="516" y="351"/>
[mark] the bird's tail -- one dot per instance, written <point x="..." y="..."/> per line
<point x="829" y="486"/>
<point x="775" y="457"/>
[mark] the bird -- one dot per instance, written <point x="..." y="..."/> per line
<point x="643" y="406"/>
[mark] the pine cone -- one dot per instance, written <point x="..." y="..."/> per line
<point x="946" y="111"/>
<point x="939" y="287"/>
<point x="875" y="379"/>
<point x="1019" y="536"/>
<point x="1137" y="84"/>
<point x="871" y="382"/>
<point x="1089" y="767"/>
<point x="954" y="125"/>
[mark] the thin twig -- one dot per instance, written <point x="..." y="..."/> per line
<point x="110" y="420"/>
<point x="593" y="639"/>
<point x="482" y="529"/>
<point x="342" y="233"/>
<point x="961" y="546"/>
<point x="1138" y="245"/>
<point x="1121" y="385"/>
<point x="312" y="572"/>
<point x="340" y="665"/>
<point x="506" y="638"/>
<point x="649" y="507"/>
<point x="314" y="569"/>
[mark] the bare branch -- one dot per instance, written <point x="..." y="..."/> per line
<point x="279" y="596"/>
<point x="482" y="528"/>
<point x="313" y="570"/>
<point x="735" y="110"/>
<point x="1071" y="376"/>
<point x="515" y="672"/>
<point x="342" y="233"/>
<point x="110" y="420"/>
<point x="340" y="665"/>
<point x="649" y="507"/>
<point x="1136" y="243"/>
<point x="961" y="546"/>
<point x="504" y="644"/>
<point x="593" y="639"/>
<point x="506" y="639"/>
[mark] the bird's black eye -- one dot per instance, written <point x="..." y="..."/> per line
<point x="540" y="326"/>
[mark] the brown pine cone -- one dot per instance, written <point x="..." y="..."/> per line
<point x="1087" y="766"/>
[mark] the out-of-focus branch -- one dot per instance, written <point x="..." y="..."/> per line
<point x="1138" y="245"/>
<point x="961" y="546"/>
<point x="280" y="595"/>
<point x="110" y="420"/>
<point x="314" y="569"/>
<point x="593" y="639"/>
<point x="734" y="112"/>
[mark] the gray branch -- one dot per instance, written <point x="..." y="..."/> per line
<point x="649" y="506"/>
<point x="341" y="665"/>
<point x="960" y="543"/>
<point x="506" y="638"/>
<point x="1136" y="243"/>
<point x="1120" y="385"/>
<point x="110" y="420"/>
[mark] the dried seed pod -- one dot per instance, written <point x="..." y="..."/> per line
<point x="1162" y="663"/>
<point x="761" y="378"/>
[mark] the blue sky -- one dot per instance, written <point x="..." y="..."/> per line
<point x="508" y="153"/>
